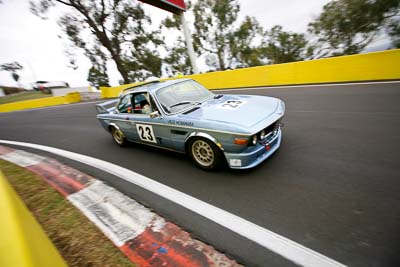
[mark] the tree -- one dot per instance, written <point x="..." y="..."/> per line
<point x="113" y="29"/>
<point x="177" y="59"/>
<point x="281" y="47"/>
<point x="245" y="51"/>
<point x="217" y="36"/>
<point x="347" y="26"/>
<point x="393" y="30"/>
<point x="12" y="67"/>
<point x="98" y="77"/>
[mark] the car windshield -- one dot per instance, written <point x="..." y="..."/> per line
<point x="179" y="96"/>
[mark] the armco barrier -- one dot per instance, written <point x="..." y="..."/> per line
<point x="22" y="240"/>
<point x="41" y="102"/>
<point x="383" y="65"/>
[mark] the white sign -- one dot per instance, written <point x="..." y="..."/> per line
<point x="146" y="133"/>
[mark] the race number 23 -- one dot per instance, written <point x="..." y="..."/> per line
<point x="146" y="133"/>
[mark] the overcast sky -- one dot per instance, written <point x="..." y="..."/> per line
<point x="35" y="43"/>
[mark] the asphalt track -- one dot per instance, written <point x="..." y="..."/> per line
<point x="333" y="186"/>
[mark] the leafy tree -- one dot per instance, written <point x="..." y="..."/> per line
<point x="217" y="36"/>
<point x="98" y="77"/>
<point x="281" y="47"/>
<point x="113" y="29"/>
<point x="173" y="22"/>
<point x="394" y="31"/>
<point x="245" y="51"/>
<point x="177" y="59"/>
<point x="12" y="67"/>
<point x="348" y="26"/>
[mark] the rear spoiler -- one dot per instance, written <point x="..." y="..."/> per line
<point x="106" y="107"/>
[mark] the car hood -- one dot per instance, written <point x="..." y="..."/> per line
<point x="240" y="110"/>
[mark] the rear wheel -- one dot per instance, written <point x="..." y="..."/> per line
<point x="118" y="136"/>
<point x="205" y="154"/>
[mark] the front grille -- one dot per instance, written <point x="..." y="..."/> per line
<point x="271" y="128"/>
<point x="270" y="141"/>
<point x="270" y="132"/>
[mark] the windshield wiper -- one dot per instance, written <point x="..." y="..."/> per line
<point x="183" y="103"/>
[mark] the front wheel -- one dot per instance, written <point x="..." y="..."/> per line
<point x="118" y="136"/>
<point x="205" y="154"/>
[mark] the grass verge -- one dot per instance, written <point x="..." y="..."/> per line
<point x="78" y="240"/>
<point x="22" y="96"/>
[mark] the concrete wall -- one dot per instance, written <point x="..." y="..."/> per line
<point x="41" y="102"/>
<point x="383" y="65"/>
<point x="64" y="91"/>
<point x="23" y="241"/>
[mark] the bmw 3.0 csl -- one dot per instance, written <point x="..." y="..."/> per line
<point x="183" y="116"/>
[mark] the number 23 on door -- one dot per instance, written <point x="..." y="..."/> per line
<point x="146" y="133"/>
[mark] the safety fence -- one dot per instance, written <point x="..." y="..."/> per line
<point x="383" y="65"/>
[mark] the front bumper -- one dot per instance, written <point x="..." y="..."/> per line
<point x="258" y="155"/>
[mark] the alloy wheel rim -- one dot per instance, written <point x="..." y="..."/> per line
<point x="203" y="153"/>
<point x="118" y="136"/>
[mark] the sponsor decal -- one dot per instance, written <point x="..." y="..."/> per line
<point x="181" y="123"/>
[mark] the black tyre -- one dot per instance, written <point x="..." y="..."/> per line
<point x="205" y="154"/>
<point x="118" y="136"/>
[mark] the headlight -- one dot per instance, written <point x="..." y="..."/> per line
<point x="254" y="140"/>
<point x="262" y="134"/>
<point x="281" y="108"/>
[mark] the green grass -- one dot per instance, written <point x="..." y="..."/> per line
<point x="77" y="239"/>
<point x="22" y="96"/>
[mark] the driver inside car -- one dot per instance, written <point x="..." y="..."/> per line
<point x="146" y="109"/>
<point x="142" y="105"/>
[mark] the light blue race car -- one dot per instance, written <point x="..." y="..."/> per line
<point x="183" y="116"/>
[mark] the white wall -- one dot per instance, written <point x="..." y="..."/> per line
<point x="64" y="91"/>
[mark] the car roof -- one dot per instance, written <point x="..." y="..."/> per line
<point x="153" y="86"/>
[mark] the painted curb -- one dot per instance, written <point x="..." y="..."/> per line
<point x="144" y="237"/>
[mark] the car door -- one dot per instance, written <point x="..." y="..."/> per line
<point x="122" y="117"/>
<point x="147" y="130"/>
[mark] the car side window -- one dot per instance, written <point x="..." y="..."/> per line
<point x="125" y="104"/>
<point x="142" y="103"/>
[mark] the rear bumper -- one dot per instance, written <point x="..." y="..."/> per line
<point x="258" y="155"/>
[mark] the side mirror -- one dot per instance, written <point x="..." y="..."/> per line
<point x="154" y="114"/>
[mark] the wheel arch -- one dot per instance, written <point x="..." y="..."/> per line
<point x="207" y="136"/>
<point x="111" y="125"/>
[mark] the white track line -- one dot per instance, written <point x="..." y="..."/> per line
<point x="283" y="246"/>
<point x="305" y="85"/>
